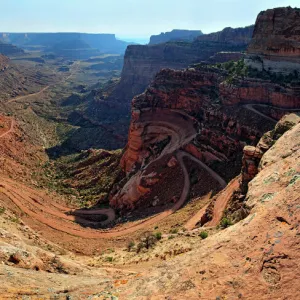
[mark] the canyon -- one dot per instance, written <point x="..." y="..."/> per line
<point x="203" y="200"/>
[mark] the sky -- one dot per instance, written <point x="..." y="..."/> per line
<point x="130" y="18"/>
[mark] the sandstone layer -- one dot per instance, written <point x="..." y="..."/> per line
<point x="276" y="41"/>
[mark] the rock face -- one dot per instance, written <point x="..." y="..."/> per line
<point x="238" y="36"/>
<point x="255" y="91"/>
<point x="222" y="111"/>
<point x="175" y="35"/>
<point x="276" y="41"/>
<point x="8" y="49"/>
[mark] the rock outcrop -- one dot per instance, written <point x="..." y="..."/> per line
<point x="175" y="35"/>
<point x="276" y="41"/>
<point x="252" y="155"/>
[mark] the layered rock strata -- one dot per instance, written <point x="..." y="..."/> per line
<point x="276" y="41"/>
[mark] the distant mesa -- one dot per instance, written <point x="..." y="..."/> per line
<point x="238" y="36"/>
<point x="85" y="42"/>
<point x="8" y="49"/>
<point x="175" y="35"/>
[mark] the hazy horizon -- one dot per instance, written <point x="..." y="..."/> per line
<point x="130" y="20"/>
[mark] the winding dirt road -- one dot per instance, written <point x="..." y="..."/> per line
<point x="42" y="208"/>
<point x="250" y="107"/>
<point x="222" y="201"/>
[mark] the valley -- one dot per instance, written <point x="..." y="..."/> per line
<point x="160" y="171"/>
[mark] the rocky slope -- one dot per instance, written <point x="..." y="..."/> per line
<point x="276" y="40"/>
<point x="175" y="35"/>
<point x="4" y="62"/>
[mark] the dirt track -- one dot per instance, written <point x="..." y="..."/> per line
<point x="12" y="124"/>
<point x="29" y="95"/>
<point x="221" y="202"/>
<point x="42" y="208"/>
<point x="250" y="107"/>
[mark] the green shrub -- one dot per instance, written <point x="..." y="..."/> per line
<point x="147" y="241"/>
<point x="2" y="210"/>
<point x="158" y="235"/>
<point x="109" y="259"/>
<point x="203" y="235"/>
<point x="15" y="220"/>
<point x="174" y="230"/>
<point x="225" y="222"/>
<point x="139" y="247"/>
<point x="130" y="245"/>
